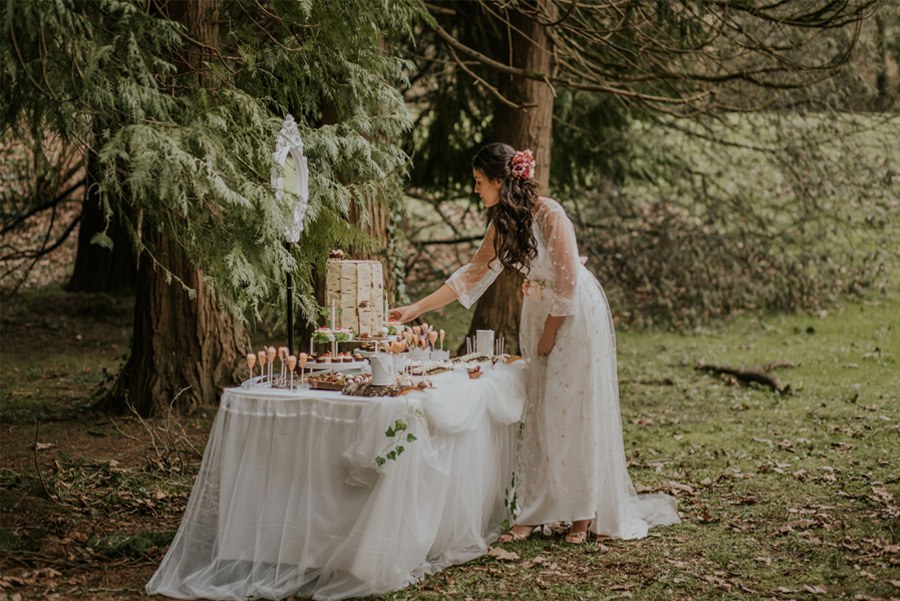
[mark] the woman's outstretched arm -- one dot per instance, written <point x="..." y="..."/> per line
<point x="466" y="285"/>
<point x="437" y="299"/>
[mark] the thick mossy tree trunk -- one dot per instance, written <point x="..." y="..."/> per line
<point x="501" y="306"/>
<point x="97" y="268"/>
<point x="184" y="350"/>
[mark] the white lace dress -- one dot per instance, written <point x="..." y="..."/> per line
<point x="571" y="458"/>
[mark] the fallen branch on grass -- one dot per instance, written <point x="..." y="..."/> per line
<point x="753" y="374"/>
<point x="168" y="438"/>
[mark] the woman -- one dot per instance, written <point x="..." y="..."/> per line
<point x="571" y="460"/>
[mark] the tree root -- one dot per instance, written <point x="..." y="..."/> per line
<point x="753" y="374"/>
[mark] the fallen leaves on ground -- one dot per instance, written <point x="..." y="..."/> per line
<point x="501" y="554"/>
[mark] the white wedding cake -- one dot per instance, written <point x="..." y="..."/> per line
<point x="357" y="289"/>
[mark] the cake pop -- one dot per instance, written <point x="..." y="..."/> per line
<point x="292" y="363"/>
<point x="261" y="356"/>
<point x="251" y="363"/>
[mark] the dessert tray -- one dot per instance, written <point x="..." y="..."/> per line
<point x="361" y="385"/>
<point x="494" y="359"/>
<point x="368" y="389"/>
<point x="369" y="341"/>
<point x="338" y="362"/>
<point x="337" y="366"/>
<point x="335" y="380"/>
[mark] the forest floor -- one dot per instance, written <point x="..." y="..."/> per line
<point x="782" y="496"/>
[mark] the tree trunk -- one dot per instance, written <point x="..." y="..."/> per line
<point x="374" y="220"/>
<point x="184" y="350"/>
<point x="99" y="269"/>
<point x="501" y="306"/>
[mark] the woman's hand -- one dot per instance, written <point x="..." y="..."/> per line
<point x="435" y="300"/>
<point x="548" y="337"/>
<point x="545" y="344"/>
<point x="404" y="314"/>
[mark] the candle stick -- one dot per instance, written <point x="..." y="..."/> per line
<point x="333" y="316"/>
<point x="442" y="334"/>
<point x="310" y="346"/>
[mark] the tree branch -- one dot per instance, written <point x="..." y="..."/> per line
<point x="757" y="374"/>
<point x="462" y="240"/>
<point x="43" y="207"/>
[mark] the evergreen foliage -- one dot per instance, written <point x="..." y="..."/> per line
<point x="190" y="153"/>
<point x="795" y="212"/>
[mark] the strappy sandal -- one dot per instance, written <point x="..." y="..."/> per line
<point x="576" y="538"/>
<point x="511" y="536"/>
<point x="580" y="537"/>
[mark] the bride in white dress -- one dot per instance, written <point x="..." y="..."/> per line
<point x="571" y="463"/>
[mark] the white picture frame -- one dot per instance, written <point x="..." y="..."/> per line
<point x="290" y="176"/>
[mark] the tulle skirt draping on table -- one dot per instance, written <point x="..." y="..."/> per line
<point x="289" y="499"/>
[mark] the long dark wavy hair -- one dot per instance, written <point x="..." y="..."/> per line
<point x="514" y="241"/>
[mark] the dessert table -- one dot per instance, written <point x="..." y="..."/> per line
<point x="308" y="492"/>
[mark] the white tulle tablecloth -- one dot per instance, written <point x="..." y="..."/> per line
<point x="291" y="501"/>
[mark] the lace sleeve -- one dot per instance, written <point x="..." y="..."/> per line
<point x="563" y="256"/>
<point x="470" y="281"/>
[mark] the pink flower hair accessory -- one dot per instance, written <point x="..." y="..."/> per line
<point x="522" y="164"/>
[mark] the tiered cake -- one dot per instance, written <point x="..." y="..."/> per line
<point x="357" y="288"/>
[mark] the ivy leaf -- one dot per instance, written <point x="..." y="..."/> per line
<point x="392" y="455"/>
<point x="399" y="426"/>
<point x="400" y="449"/>
<point x="379" y="461"/>
<point x="410" y="437"/>
<point x="390" y="433"/>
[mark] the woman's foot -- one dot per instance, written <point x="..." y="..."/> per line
<point x="517" y="533"/>
<point x="576" y="538"/>
<point x="578" y="535"/>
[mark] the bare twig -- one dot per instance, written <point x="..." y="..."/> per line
<point x="451" y="241"/>
<point x="19" y="219"/>
<point x="37" y="467"/>
<point x="123" y="433"/>
<point x="149" y="430"/>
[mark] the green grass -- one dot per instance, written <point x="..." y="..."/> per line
<point x="781" y="497"/>
<point x="57" y="347"/>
